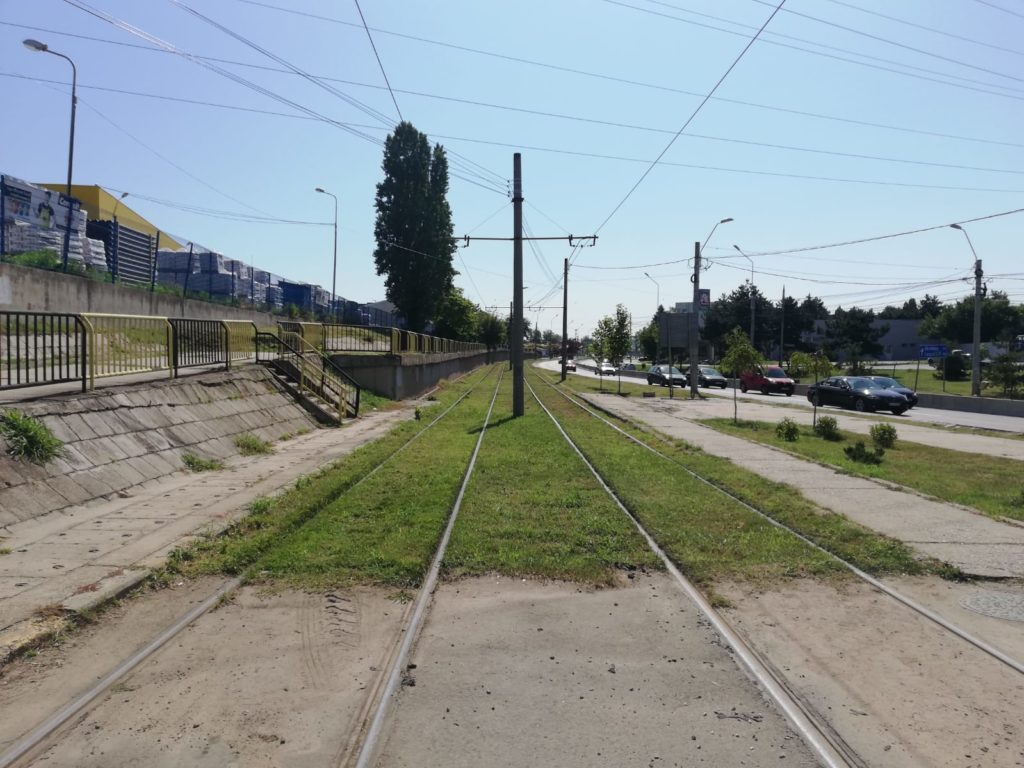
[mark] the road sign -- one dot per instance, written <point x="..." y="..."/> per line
<point x="933" y="350"/>
<point x="704" y="297"/>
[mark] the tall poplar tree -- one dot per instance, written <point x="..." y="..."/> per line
<point x="414" y="233"/>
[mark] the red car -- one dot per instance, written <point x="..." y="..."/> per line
<point x="770" y="378"/>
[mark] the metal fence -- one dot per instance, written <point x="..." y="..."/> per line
<point x="41" y="348"/>
<point x="197" y="343"/>
<point x="331" y="337"/>
<point x="124" y="344"/>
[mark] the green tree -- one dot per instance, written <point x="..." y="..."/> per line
<point x="1007" y="372"/>
<point x="414" y="226"/>
<point x="456" y="317"/>
<point x="647" y="338"/>
<point x="1000" y="320"/>
<point x="491" y="330"/>
<point x="739" y="356"/>
<point x="851" y="332"/>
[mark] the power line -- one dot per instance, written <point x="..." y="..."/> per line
<point x="993" y="46"/>
<point x="689" y="119"/>
<point x="218" y="214"/>
<point x="379" y="62"/>
<point x="569" y="70"/>
<point x="811" y="42"/>
<point x="1000" y="8"/>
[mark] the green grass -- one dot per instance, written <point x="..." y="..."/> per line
<point x="28" y="438"/>
<point x="712" y="537"/>
<point x="990" y="484"/>
<point x="251" y="445"/>
<point x="199" y="464"/>
<point x="272" y="520"/>
<point x="533" y="509"/>
<point x="369" y="402"/>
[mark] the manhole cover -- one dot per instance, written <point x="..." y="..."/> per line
<point x="1000" y="605"/>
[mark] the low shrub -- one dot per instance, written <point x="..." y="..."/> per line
<point x="28" y="438"/>
<point x="883" y="435"/>
<point x="827" y="428"/>
<point x="859" y="452"/>
<point x="250" y="445"/>
<point x="788" y="430"/>
<point x="199" y="464"/>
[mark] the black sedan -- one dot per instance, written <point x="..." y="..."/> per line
<point x="857" y="392"/>
<point x="891" y="384"/>
<point x="659" y="374"/>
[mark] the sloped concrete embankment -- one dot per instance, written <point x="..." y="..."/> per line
<point x="123" y="437"/>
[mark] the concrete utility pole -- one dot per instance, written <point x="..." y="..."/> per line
<point x="782" y="327"/>
<point x="565" y="313"/>
<point x="517" y="285"/>
<point x="695" y="324"/>
<point x="979" y="292"/>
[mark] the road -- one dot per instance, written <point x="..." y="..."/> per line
<point x="914" y="415"/>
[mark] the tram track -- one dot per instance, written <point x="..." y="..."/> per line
<point x="819" y="733"/>
<point x="31" y="744"/>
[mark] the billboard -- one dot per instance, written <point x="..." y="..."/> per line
<point x="39" y="208"/>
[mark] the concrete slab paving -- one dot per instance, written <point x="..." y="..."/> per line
<point x="970" y="540"/>
<point x="78" y="556"/>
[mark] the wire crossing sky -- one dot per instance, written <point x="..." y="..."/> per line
<point x="843" y="143"/>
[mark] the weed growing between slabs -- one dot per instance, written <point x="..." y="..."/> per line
<point x="533" y="509"/>
<point x="272" y="519"/>
<point x="990" y="484"/>
<point x="710" y="536"/>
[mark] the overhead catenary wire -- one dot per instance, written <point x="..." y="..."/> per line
<point x="547" y="65"/>
<point x="379" y="62"/>
<point x="690" y="119"/>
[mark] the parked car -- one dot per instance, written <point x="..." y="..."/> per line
<point x="709" y="377"/>
<point x="857" y="392"/>
<point x="885" y="382"/>
<point x="570" y="365"/>
<point x="628" y="367"/>
<point x="660" y="374"/>
<point x="767" y="379"/>
<point x="605" y="369"/>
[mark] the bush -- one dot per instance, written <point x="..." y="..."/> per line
<point x="788" y="430"/>
<point x="28" y="438"/>
<point x="827" y="428"/>
<point x="199" y="464"/>
<point x="883" y="435"/>
<point x="250" y="445"/>
<point x="858" y="452"/>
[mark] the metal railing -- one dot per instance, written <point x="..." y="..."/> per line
<point x="197" y="343"/>
<point x="241" y="340"/>
<point x="312" y="369"/>
<point x="39" y="348"/>
<point x="330" y="338"/>
<point x="123" y="344"/>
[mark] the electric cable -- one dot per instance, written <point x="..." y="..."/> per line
<point x="379" y="62"/>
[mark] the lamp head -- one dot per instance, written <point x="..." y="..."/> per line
<point x="725" y="221"/>
<point x="737" y="248"/>
<point x="124" y="195"/>
<point x="957" y="226"/>
<point x="35" y="45"/>
<point x="320" y="189"/>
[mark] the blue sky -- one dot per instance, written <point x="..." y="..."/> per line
<point x="940" y="82"/>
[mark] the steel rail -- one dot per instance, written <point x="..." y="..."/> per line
<point x="811" y="733"/>
<point x="908" y="602"/>
<point x="368" y="749"/>
<point x="44" y="730"/>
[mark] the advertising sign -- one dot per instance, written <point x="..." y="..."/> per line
<point x="38" y="207"/>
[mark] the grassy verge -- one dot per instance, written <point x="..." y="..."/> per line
<point x="990" y="484"/>
<point x="272" y="519"/>
<point x="712" y="537"/>
<point x="533" y="509"/>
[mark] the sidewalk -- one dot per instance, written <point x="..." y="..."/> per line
<point x="971" y="541"/>
<point x="81" y="556"/>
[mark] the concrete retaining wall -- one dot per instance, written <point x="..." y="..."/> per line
<point x="24" y="288"/>
<point x="120" y="437"/>
<point x="400" y="376"/>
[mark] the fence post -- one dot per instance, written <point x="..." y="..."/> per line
<point x="90" y="336"/>
<point x="85" y="349"/>
<point x="227" y="345"/>
<point x="171" y="336"/>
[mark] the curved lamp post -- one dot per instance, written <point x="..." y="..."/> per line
<point x="35" y="45"/>
<point x="334" y="271"/>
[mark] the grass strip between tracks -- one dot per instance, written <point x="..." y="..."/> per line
<point x="271" y="519"/>
<point x="533" y="509"/>
<point x="386" y="529"/>
<point x="990" y="484"/>
<point x="710" y="536"/>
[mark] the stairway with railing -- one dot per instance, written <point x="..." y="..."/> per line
<point x="314" y="372"/>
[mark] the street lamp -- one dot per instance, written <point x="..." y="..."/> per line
<point x="334" y="272"/>
<point x="117" y="203"/>
<point x="978" y="290"/>
<point x="752" y="300"/>
<point x="35" y="45"/>
<point x="706" y="239"/>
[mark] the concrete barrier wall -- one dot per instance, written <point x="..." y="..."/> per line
<point x="24" y="288"/>
<point x="400" y="376"/>
<point x="120" y="437"/>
